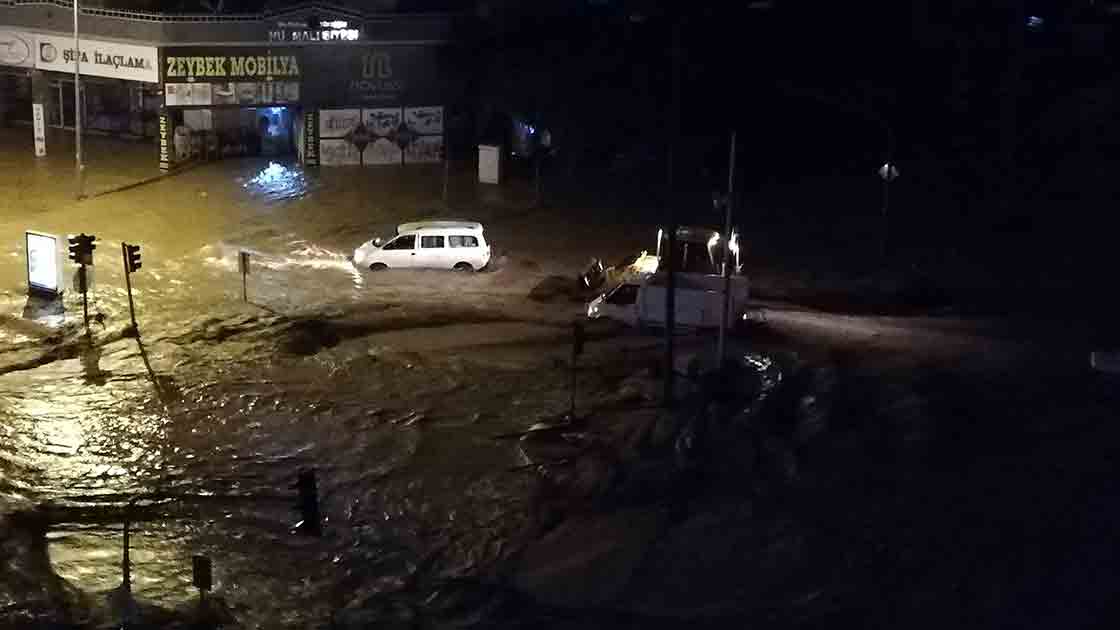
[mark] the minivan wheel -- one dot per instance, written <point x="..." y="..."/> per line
<point x="463" y="267"/>
<point x="378" y="267"/>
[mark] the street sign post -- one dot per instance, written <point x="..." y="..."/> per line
<point x="202" y="574"/>
<point x="243" y="263"/>
<point x="311" y="523"/>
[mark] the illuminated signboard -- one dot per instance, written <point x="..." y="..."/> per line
<point x="315" y="31"/>
<point x="44" y="263"/>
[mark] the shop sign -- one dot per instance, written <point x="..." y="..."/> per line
<point x="315" y="31"/>
<point x="210" y="76"/>
<point x="40" y="129"/>
<point x="375" y="76"/>
<point x="98" y="58"/>
<point x="310" y="138"/>
<point x="17" y="49"/>
<point x="164" y="140"/>
<point x="181" y="66"/>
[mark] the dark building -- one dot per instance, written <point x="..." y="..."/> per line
<point x="334" y="85"/>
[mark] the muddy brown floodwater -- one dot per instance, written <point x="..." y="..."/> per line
<point x="863" y="471"/>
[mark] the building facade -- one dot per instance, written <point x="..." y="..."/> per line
<point x="334" y="86"/>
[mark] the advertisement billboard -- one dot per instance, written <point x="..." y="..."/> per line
<point x="98" y="58"/>
<point x="44" y="263"/>
<point x="378" y="76"/>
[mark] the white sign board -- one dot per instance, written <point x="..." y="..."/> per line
<point x="424" y="120"/>
<point x="424" y="150"/>
<point x="99" y="58"/>
<point x="338" y="152"/>
<point x="40" y="129"/>
<point x="17" y="49"/>
<point x="44" y="262"/>
<point x="337" y="123"/>
<point x="382" y="121"/>
<point x="489" y="164"/>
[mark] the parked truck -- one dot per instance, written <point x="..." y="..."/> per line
<point x="699" y="301"/>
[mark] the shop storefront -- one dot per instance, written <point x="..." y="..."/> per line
<point x="331" y="104"/>
<point x="17" y="61"/>
<point x="232" y="101"/>
<point x="120" y="84"/>
<point x="330" y="86"/>
<point x="378" y="105"/>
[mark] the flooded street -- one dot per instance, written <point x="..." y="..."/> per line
<point x="854" y="460"/>
<point x="390" y="385"/>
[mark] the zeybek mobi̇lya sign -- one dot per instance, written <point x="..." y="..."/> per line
<point x="216" y="76"/>
<point x="233" y="67"/>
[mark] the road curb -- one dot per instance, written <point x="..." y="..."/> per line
<point x="145" y="181"/>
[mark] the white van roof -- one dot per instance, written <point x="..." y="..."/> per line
<point x="452" y="224"/>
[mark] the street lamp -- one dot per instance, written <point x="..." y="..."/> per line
<point x="888" y="172"/>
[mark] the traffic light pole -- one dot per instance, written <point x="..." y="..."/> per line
<point x="83" y="284"/>
<point x="128" y="285"/>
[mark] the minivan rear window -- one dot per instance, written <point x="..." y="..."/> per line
<point x="431" y="241"/>
<point x="463" y="241"/>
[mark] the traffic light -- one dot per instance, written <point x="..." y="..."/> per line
<point x="132" y="257"/>
<point x="308" y="504"/>
<point x="81" y="248"/>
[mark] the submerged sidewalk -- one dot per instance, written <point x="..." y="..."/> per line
<point x="40" y="183"/>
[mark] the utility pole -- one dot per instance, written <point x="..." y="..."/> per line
<point x="728" y="205"/>
<point x="670" y="253"/>
<point x="78" y="166"/>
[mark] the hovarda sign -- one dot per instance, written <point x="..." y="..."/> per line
<point x="194" y="63"/>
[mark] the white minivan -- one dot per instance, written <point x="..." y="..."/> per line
<point x="435" y="244"/>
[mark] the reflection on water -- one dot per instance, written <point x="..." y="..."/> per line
<point x="278" y="182"/>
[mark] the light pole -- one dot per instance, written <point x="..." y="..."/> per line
<point x="670" y="251"/>
<point x="78" y="166"/>
<point x="729" y="205"/>
<point x="888" y="172"/>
